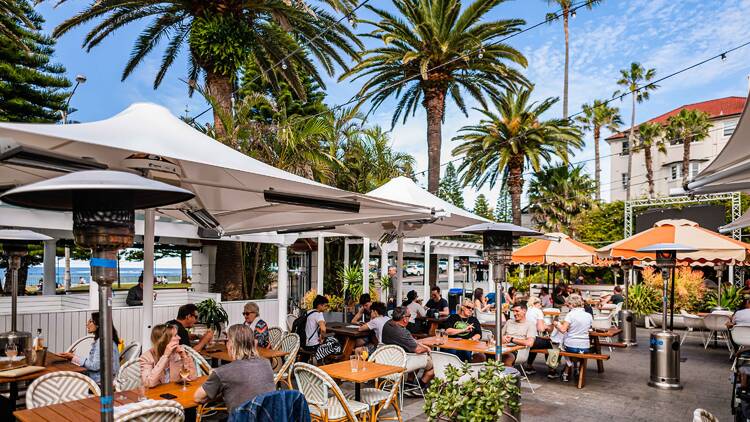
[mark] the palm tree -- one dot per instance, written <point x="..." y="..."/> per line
<point x="687" y="126"/>
<point x="558" y="194"/>
<point x="594" y="118"/>
<point x="437" y="49"/>
<point x="565" y="7"/>
<point x="635" y="81"/>
<point x="650" y="135"/>
<point x="508" y="140"/>
<point x="223" y="36"/>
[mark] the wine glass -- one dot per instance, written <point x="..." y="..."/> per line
<point x="11" y="350"/>
<point x="184" y="374"/>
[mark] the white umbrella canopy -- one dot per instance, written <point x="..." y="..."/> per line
<point x="229" y="185"/>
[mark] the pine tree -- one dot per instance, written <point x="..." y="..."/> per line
<point x="503" y="209"/>
<point x="482" y="207"/>
<point x="450" y="188"/>
<point x="32" y="88"/>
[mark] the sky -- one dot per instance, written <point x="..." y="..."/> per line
<point x="663" y="34"/>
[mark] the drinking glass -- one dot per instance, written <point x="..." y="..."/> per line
<point x="11" y="350"/>
<point x="141" y="390"/>
<point x="184" y="374"/>
<point x="354" y="362"/>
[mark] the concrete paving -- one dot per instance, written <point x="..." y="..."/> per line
<point x="621" y="393"/>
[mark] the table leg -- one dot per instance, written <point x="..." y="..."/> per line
<point x="348" y="348"/>
<point x="598" y="350"/>
<point x="13" y="395"/>
<point x="433" y="328"/>
<point x="357" y="392"/>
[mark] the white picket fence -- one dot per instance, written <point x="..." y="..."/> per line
<point x="63" y="318"/>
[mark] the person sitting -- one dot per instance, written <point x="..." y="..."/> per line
<point x="519" y="331"/>
<point x="162" y="364"/>
<point x="480" y="302"/>
<point x="545" y="298"/>
<point x="741" y="316"/>
<point x="362" y="311"/>
<point x="239" y="381"/>
<point x="187" y="317"/>
<point x="315" y="324"/>
<point x="379" y="316"/>
<point x="575" y="326"/>
<point x="414" y="305"/>
<point x="251" y="312"/>
<point x="535" y="315"/>
<point x="465" y="326"/>
<point x="135" y="293"/>
<point x="437" y="303"/>
<point x="510" y="296"/>
<point x="615" y="298"/>
<point x="418" y="355"/>
<point x="92" y="362"/>
<point x="559" y="295"/>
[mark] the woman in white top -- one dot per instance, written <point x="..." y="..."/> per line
<point x="536" y="315"/>
<point x="576" y="328"/>
<point x="414" y="305"/>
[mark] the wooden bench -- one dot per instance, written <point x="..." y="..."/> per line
<point x="583" y="357"/>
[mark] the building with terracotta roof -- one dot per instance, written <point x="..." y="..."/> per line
<point x="724" y="113"/>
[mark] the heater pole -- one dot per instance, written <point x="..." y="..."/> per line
<point x="104" y="271"/>
<point x="499" y="277"/>
<point x="665" y="280"/>
<point x="15" y="264"/>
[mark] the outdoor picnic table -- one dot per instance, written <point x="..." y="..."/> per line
<point x="367" y="371"/>
<point x="474" y="346"/>
<point x="88" y="409"/>
<point x="219" y="352"/>
<point x="596" y="344"/>
<point x="54" y="363"/>
<point x="434" y="323"/>
<point x="350" y="333"/>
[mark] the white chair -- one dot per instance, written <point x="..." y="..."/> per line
<point x="131" y="352"/>
<point x="694" y="325"/>
<point x="129" y="376"/>
<point x="315" y="385"/>
<point x="150" y="410"/>
<point x="380" y="397"/>
<point x="521" y="357"/>
<point x="82" y="344"/>
<point x="486" y="334"/>
<point x="290" y="321"/>
<point x="716" y="324"/>
<point x="441" y="361"/>
<point x="702" y="415"/>
<point x="275" y="334"/>
<point x="202" y="366"/>
<point x="60" y="387"/>
<point x="485" y="317"/>
<point x="741" y="335"/>
<point x="289" y="344"/>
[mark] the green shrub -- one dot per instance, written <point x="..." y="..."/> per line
<point x="643" y="299"/>
<point x="731" y="298"/>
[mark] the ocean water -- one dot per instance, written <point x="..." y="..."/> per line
<point x="127" y="275"/>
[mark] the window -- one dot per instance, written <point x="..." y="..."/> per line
<point x="625" y="148"/>
<point x="729" y="127"/>
<point x="695" y="168"/>
<point x="624" y="180"/>
<point x="675" y="171"/>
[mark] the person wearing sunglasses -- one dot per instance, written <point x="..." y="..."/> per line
<point x="251" y="313"/>
<point x="464" y="325"/>
<point x="187" y="317"/>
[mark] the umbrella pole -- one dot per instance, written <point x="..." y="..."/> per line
<point x="547" y="277"/>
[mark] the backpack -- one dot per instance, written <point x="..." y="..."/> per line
<point x="299" y="327"/>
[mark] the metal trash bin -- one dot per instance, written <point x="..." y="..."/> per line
<point x="665" y="360"/>
<point x="627" y="325"/>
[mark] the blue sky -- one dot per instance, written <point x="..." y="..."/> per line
<point x="665" y="34"/>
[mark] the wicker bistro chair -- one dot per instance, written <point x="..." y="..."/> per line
<point x="290" y="321"/>
<point x="131" y="352"/>
<point x="151" y="411"/>
<point x="289" y="344"/>
<point x="60" y="387"/>
<point x="83" y="343"/>
<point x="129" y="376"/>
<point x="315" y="385"/>
<point x="386" y="390"/>
<point x="275" y="334"/>
<point x="202" y="367"/>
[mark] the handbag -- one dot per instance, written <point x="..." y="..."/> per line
<point x="553" y="357"/>
<point x="329" y="346"/>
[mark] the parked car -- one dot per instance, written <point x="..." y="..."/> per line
<point x="443" y="266"/>
<point x="414" y="269"/>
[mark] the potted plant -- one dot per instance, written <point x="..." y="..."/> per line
<point x="351" y="279"/>
<point x="490" y="396"/>
<point x="213" y="315"/>
<point x="643" y="300"/>
<point x="335" y="305"/>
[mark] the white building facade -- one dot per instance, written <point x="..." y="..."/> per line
<point x="667" y="167"/>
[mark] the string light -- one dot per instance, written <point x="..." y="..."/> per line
<point x="573" y="14"/>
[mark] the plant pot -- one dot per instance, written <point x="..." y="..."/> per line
<point x="334" y="316"/>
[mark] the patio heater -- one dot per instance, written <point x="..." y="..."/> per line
<point x="497" y="246"/>
<point x="665" y="344"/>
<point x="719" y="273"/>
<point x="626" y="317"/>
<point x="15" y="246"/>
<point x="103" y="204"/>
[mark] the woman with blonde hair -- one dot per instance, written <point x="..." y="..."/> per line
<point x="162" y="364"/>
<point x="247" y="376"/>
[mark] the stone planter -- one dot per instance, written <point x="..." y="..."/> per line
<point x="334" y="317"/>
<point x="679" y="322"/>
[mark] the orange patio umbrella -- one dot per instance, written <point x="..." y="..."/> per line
<point x="563" y="251"/>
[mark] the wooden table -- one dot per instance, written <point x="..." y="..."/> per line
<point x="474" y="346"/>
<point x="88" y="409"/>
<point x="55" y="363"/>
<point x="434" y="323"/>
<point x="594" y="336"/>
<point x="219" y="352"/>
<point x="349" y="333"/>
<point x="368" y="371"/>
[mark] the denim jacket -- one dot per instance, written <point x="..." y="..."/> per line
<point x="277" y="406"/>
<point x="92" y="362"/>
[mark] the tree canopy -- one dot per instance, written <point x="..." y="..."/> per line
<point x="450" y="187"/>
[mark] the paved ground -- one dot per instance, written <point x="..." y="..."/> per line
<point x="621" y="393"/>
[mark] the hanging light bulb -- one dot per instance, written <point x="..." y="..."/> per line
<point x="283" y="65"/>
<point x="481" y="53"/>
<point x="723" y="57"/>
<point x="351" y="21"/>
<point x="573" y="14"/>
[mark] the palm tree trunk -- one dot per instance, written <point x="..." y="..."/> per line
<point x="515" y="187"/>
<point x="220" y="88"/>
<point x="566" y="11"/>
<point x="649" y="169"/>
<point x="434" y="104"/>
<point x="597" y="163"/>
<point x="631" y="136"/>
<point x="183" y="266"/>
<point x="686" y="160"/>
